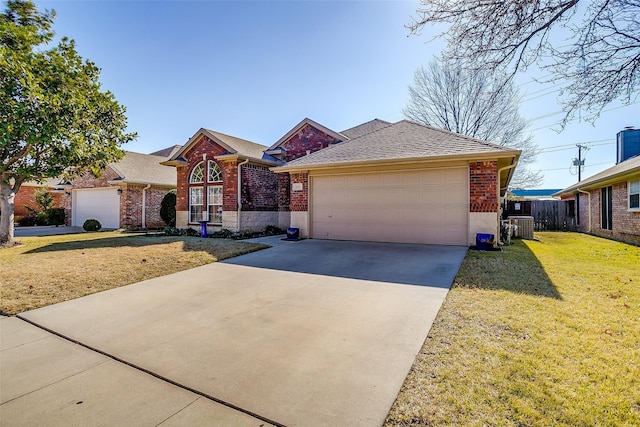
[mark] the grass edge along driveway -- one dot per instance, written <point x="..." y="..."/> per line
<point x="50" y="269"/>
<point x="545" y="333"/>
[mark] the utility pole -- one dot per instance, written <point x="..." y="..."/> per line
<point x="580" y="161"/>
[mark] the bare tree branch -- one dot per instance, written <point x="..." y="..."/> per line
<point x="477" y="104"/>
<point x="601" y="59"/>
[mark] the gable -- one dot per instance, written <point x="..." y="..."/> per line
<point x="307" y="139"/>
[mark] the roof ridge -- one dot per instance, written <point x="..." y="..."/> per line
<point x="234" y="137"/>
<point x="460" y="135"/>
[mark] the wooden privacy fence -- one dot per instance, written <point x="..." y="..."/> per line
<point x="548" y="215"/>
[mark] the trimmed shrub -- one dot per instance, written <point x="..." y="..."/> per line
<point x="222" y="234"/>
<point x="91" y="225"/>
<point x="26" y="221"/>
<point x="168" y="208"/>
<point x="42" y="218"/>
<point x="55" y="216"/>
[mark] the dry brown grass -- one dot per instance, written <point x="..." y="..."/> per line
<point x="52" y="269"/>
<point x="544" y="333"/>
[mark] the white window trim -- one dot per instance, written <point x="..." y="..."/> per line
<point x="629" y="208"/>
<point x="202" y="205"/>
<point x="214" y="204"/>
<point x="211" y="165"/>
<point x="191" y="180"/>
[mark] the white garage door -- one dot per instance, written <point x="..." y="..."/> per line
<point x="422" y="206"/>
<point x="102" y="204"/>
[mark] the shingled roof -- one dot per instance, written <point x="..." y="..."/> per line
<point x="233" y="146"/>
<point x="365" y="128"/>
<point x="138" y="168"/>
<point x="404" y="140"/>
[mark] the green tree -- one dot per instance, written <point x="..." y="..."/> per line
<point x="55" y="120"/>
<point x="43" y="198"/>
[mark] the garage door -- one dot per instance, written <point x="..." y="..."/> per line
<point x="422" y="206"/>
<point x="102" y="204"/>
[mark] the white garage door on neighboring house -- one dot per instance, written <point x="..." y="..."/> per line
<point x="102" y="204"/>
<point x="418" y="206"/>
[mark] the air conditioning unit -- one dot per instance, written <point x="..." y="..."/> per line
<point x="524" y="226"/>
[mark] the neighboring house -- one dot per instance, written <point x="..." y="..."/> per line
<point x="127" y="195"/>
<point x="400" y="182"/>
<point x="26" y="195"/>
<point x="608" y="203"/>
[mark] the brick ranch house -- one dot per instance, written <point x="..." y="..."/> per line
<point x="26" y="195"/>
<point x="379" y="181"/>
<point x="127" y="195"/>
<point x="608" y="203"/>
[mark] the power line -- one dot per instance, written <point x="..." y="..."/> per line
<point x="569" y="168"/>
<point x="575" y="118"/>
<point x="563" y="147"/>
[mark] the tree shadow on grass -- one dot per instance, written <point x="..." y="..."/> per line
<point x="219" y="248"/>
<point x="515" y="269"/>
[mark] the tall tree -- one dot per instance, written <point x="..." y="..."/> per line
<point x="593" y="46"/>
<point x="54" y="117"/>
<point x="476" y="104"/>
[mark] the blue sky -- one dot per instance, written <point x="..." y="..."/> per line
<point x="255" y="69"/>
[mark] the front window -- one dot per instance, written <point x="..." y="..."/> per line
<point x="214" y="199"/>
<point x="215" y="174"/>
<point x="196" y="204"/>
<point x="634" y="195"/>
<point x="197" y="174"/>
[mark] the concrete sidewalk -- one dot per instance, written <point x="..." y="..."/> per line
<point x="47" y="380"/>
<point x="298" y="348"/>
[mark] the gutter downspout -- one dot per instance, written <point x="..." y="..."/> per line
<point x="240" y="190"/>
<point x="511" y="166"/>
<point x="588" y="194"/>
<point x="144" y="205"/>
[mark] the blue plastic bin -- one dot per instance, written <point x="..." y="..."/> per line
<point x="484" y="241"/>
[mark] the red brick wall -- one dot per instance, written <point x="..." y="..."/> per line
<point x="230" y="186"/>
<point x="131" y="206"/>
<point x="482" y="186"/>
<point x="284" y="191"/>
<point x="154" y="201"/>
<point x="625" y="224"/>
<point x="89" y="181"/>
<point x="24" y="196"/>
<point x="307" y="138"/>
<point x="300" y="199"/>
<point x="259" y="188"/>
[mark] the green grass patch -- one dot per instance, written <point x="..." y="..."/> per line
<point x="51" y="269"/>
<point x="545" y="333"/>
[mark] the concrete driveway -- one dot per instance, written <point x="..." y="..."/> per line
<point x="308" y="333"/>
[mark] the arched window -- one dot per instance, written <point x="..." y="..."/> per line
<point x="197" y="174"/>
<point x="215" y="174"/>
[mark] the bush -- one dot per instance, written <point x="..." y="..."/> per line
<point x="26" y="221"/>
<point x="272" y="230"/>
<point x="168" y="208"/>
<point x="223" y="234"/>
<point x="55" y="216"/>
<point x="91" y="225"/>
<point x="172" y="231"/>
<point x="42" y="218"/>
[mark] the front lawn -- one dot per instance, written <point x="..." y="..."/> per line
<point x="545" y="333"/>
<point x="52" y="269"/>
